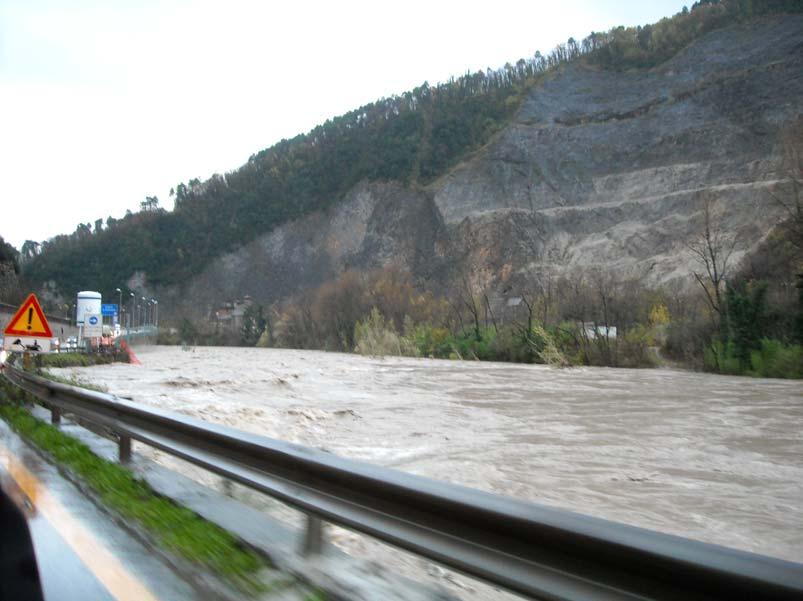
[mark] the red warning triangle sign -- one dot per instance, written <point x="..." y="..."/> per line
<point x="29" y="321"/>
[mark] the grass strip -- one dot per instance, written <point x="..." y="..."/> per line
<point x="172" y="526"/>
<point x="81" y="359"/>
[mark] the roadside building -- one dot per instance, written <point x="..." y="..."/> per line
<point x="229" y="315"/>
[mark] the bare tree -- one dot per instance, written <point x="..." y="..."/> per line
<point x="792" y="167"/>
<point x="712" y="250"/>
<point x="468" y="297"/>
<point x="573" y="298"/>
<point x="537" y="295"/>
<point x="488" y="311"/>
<point x="605" y="288"/>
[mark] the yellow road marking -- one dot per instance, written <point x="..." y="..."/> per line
<point x="120" y="583"/>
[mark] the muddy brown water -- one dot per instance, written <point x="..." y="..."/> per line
<point x="714" y="458"/>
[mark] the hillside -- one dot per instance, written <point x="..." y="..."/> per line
<point x="599" y="169"/>
<point x="599" y="155"/>
<point x="9" y="273"/>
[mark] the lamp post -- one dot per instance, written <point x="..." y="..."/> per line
<point x="132" y="309"/>
<point x="119" y="306"/>
<point x="143" y="310"/>
<point x="66" y="309"/>
<point x="155" y="312"/>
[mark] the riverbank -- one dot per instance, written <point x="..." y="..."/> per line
<point x="57" y="360"/>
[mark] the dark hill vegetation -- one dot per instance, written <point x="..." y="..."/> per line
<point x="412" y="138"/>
<point x="9" y="272"/>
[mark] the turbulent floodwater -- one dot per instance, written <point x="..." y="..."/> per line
<point x="719" y="459"/>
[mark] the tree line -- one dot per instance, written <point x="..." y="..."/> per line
<point x="592" y="316"/>
<point x="9" y="271"/>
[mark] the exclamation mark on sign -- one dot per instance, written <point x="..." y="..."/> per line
<point x="30" y="317"/>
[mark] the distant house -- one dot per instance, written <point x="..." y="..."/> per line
<point x="510" y="309"/>
<point x="229" y="315"/>
<point x="593" y="330"/>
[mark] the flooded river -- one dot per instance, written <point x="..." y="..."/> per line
<point x="719" y="459"/>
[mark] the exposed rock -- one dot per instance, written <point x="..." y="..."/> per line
<point x="599" y="169"/>
<point x="374" y="225"/>
<point x="9" y="280"/>
<point x="610" y="168"/>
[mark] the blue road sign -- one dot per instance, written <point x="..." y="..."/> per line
<point x="93" y="321"/>
<point x="110" y="309"/>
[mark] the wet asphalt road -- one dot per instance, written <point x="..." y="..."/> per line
<point x="61" y="571"/>
<point x="81" y="553"/>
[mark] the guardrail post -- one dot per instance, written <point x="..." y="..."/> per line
<point x="124" y="445"/>
<point x="313" y="536"/>
<point x="55" y="416"/>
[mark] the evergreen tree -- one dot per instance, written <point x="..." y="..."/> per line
<point x="254" y="324"/>
<point x="747" y="311"/>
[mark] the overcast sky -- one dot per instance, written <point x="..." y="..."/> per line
<point x="105" y="102"/>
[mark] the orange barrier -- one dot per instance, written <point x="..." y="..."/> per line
<point x="132" y="358"/>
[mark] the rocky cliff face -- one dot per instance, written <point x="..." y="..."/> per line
<point x="376" y="224"/>
<point x="599" y="170"/>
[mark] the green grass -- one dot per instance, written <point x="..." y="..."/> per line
<point x="172" y="526"/>
<point x="81" y="359"/>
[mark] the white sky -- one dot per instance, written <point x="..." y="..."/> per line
<point x="105" y="102"/>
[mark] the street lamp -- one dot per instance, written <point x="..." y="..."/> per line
<point x="155" y="312"/>
<point x="132" y="310"/>
<point x="119" y="306"/>
<point x="143" y="309"/>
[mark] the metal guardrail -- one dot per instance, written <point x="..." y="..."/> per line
<point x="536" y="551"/>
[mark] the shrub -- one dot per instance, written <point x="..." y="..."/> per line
<point x="687" y="339"/>
<point x="773" y="359"/>
<point x="376" y="338"/>
<point x="720" y="358"/>
<point x="568" y="342"/>
<point x="634" y="350"/>
<point x="429" y="341"/>
<point x="545" y="347"/>
<point x="466" y="345"/>
<point x="82" y="359"/>
<point x="777" y="360"/>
